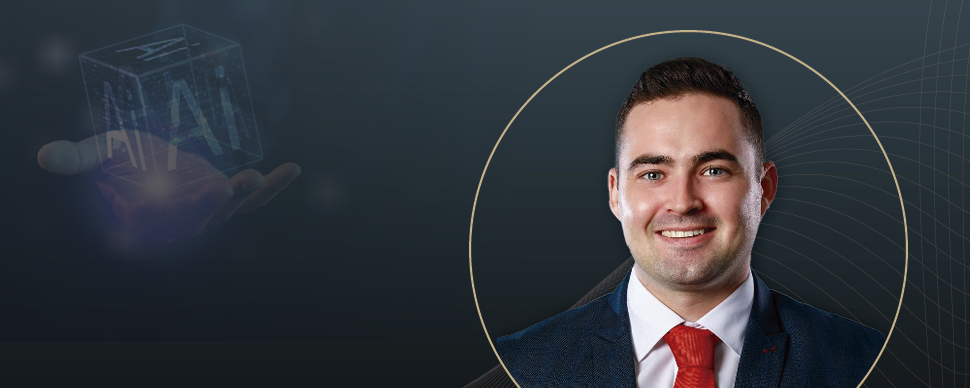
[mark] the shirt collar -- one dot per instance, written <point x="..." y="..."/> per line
<point x="650" y="319"/>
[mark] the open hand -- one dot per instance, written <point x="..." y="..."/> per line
<point x="167" y="215"/>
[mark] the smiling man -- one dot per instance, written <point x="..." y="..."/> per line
<point x="690" y="187"/>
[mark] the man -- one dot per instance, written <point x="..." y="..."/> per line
<point x="689" y="187"/>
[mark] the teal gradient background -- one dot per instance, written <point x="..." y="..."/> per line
<point x="357" y="274"/>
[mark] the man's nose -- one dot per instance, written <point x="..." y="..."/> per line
<point x="683" y="197"/>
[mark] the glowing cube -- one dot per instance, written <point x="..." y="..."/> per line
<point x="172" y="106"/>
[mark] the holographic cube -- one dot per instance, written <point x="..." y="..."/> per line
<point x="171" y="108"/>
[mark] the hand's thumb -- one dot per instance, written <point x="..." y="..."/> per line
<point x="67" y="157"/>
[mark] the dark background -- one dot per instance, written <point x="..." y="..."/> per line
<point x="358" y="272"/>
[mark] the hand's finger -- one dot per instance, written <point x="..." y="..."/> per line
<point x="243" y="185"/>
<point x="69" y="158"/>
<point x="276" y="181"/>
<point x="144" y="213"/>
<point x="118" y="203"/>
<point x="189" y="217"/>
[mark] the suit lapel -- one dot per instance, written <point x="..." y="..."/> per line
<point x="765" y="344"/>
<point x="611" y="360"/>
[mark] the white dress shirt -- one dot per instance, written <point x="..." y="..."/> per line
<point x="650" y="320"/>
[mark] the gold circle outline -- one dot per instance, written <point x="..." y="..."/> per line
<point x="881" y="148"/>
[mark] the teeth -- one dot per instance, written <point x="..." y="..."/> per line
<point x="682" y="233"/>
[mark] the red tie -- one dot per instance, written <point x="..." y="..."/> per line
<point x="694" y="353"/>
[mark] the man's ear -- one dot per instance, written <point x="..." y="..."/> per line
<point x="769" y="186"/>
<point x="614" y="185"/>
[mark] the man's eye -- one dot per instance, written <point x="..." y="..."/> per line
<point x="653" y="176"/>
<point x="715" y="171"/>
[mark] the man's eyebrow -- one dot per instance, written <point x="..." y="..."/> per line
<point x="651" y="159"/>
<point x="718" y="154"/>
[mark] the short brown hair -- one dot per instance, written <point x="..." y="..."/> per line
<point x="687" y="75"/>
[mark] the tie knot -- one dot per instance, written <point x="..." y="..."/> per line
<point x="692" y="347"/>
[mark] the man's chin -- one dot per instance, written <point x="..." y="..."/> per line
<point x="690" y="273"/>
<point x="690" y="279"/>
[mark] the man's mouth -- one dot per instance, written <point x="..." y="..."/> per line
<point x="684" y="233"/>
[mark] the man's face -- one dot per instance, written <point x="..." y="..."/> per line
<point x="690" y="192"/>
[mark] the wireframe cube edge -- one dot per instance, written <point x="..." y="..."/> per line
<point x="171" y="108"/>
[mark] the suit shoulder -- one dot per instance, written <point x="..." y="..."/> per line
<point x="553" y="333"/>
<point x="837" y="336"/>
<point x="553" y="346"/>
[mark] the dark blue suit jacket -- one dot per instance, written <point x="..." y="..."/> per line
<point x="787" y="344"/>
